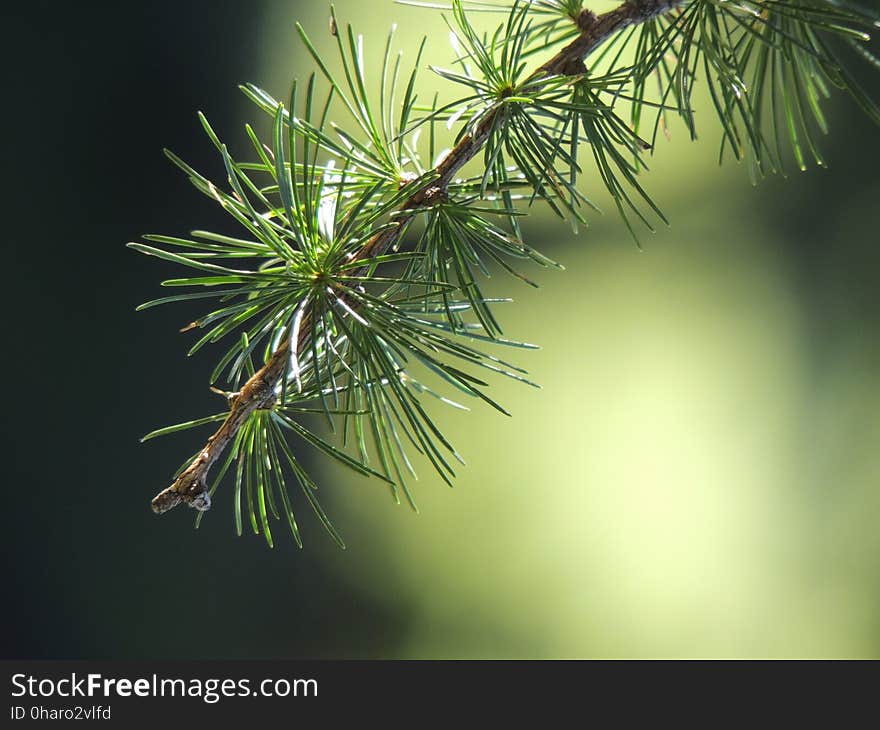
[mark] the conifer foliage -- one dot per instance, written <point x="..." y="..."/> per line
<point x="350" y="306"/>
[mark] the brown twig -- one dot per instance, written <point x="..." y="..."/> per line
<point x="190" y="487"/>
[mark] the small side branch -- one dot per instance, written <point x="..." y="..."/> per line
<point x="191" y="485"/>
<point x="595" y="29"/>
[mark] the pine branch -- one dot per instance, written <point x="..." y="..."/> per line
<point x="259" y="392"/>
<point x="348" y="321"/>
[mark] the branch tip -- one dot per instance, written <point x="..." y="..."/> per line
<point x="196" y="497"/>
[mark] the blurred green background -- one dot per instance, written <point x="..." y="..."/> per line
<point x="697" y="477"/>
